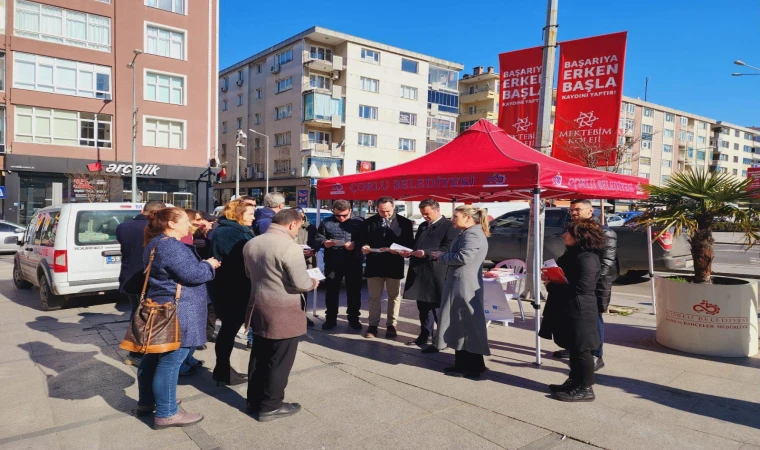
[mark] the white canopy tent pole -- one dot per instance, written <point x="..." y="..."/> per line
<point x="314" y="298"/>
<point x="537" y="254"/>
<point x="651" y="269"/>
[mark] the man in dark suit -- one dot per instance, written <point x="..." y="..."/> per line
<point x="131" y="235"/>
<point x="385" y="267"/>
<point x="426" y="278"/>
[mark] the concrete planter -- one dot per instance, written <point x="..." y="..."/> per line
<point x="718" y="319"/>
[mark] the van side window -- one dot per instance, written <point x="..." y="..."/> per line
<point x="40" y="225"/>
<point x="48" y="231"/>
<point x="29" y="236"/>
<point x="556" y="218"/>
<point x="99" y="227"/>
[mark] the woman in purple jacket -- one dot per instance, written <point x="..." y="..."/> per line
<point x="173" y="263"/>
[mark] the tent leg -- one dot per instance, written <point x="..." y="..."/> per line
<point x="314" y="296"/>
<point x="537" y="270"/>
<point x="651" y="269"/>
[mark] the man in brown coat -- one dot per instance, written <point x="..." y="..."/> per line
<point x="277" y="269"/>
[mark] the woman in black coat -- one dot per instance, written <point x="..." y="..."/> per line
<point x="570" y="314"/>
<point x="231" y="288"/>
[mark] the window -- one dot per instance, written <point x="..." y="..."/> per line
<point x="257" y="119"/>
<point x="701" y="140"/>
<point x="724" y="144"/>
<point x="407" y="65"/>
<point x="746" y="160"/>
<point x="736" y="159"/>
<point x="722" y="157"/>
<point x="648" y="112"/>
<point x="409" y="92"/>
<point x="282" y="166"/>
<point x="748" y="148"/>
<point x="626" y="172"/>
<point x="319" y="137"/>
<point x="747" y="136"/>
<point x="735" y="171"/>
<point x="164" y="133"/>
<point x="62" y="26"/>
<point x="690" y="152"/>
<point x="369" y="84"/>
<point x="629" y="107"/>
<point x="258" y="68"/>
<point x="2" y="130"/>
<point x="258" y="92"/>
<point x="224" y="105"/>
<point x="283" y="85"/>
<point x="281" y="112"/>
<point x="665" y="178"/>
<point x="647" y="129"/>
<point x="702" y="125"/>
<point x="725" y="130"/>
<point x="645" y="161"/>
<point x="669" y="133"/>
<point x="407" y="118"/>
<point x="284" y="57"/>
<point x="240" y="100"/>
<point x="368" y="112"/>
<point x="257" y="143"/>
<point x="446" y="102"/>
<point x="700" y="155"/>
<point x="60" y="76"/>
<point x="682" y="136"/>
<point x="444" y="78"/>
<point x="684" y="121"/>
<point x="240" y="75"/>
<point x="628" y="124"/>
<point x="408" y="145"/>
<point x="224" y="126"/>
<point x="62" y="127"/>
<point x="744" y="173"/>
<point x="323" y="107"/>
<point x="667" y="148"/>
<point x="165" y="88"/>
<point x="282" y="139"/>
<point x="104" y="221"/>
<point x="644" y="175"/>
<point x="224" y="150"/>
<point x="320" y="82"/>
<point x="668" y="117"/>
<point x="164" y="42"/>
<point x="321" y="53"/>
<point x="646" y="145"/>
<point x="2" y="64"/>
<point x="736" y="146"/>
<point x="370" y="56"/>
<point x="367" y="140"/>
<point x="737" y="133"/>
<point x="690" y="136"/>
<point x="465" y="125"/>
<point x="239" y="123"/>
<point x="175" y="6"/>
<point x="667" y="163"/>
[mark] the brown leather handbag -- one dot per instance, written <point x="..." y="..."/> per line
<point x="155" y="327"/>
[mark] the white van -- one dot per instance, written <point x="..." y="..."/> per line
<point x="70" y="250"/>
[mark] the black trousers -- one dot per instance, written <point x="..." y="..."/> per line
<point x="353" y="293"/>
<point x="465" y="361"/>
<point x="268" y="371"/>
<point x="582" y="367"/>
<point x="211" y="321"/>
<point x="232" y="319"/>
<point x="428" y="316"/>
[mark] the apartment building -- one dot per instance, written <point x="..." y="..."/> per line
<point x="735" y="148"/>
<point x="478" y="97"/>
<point x="67" y="93"/>
<point x="328" y="103"/>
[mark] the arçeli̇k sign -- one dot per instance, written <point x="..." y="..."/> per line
<point x="148" y="170"/>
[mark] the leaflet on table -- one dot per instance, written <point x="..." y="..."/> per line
<point x="554" y="273"/>
<point x="316" y="274"/>
<point x="400" y="248"/>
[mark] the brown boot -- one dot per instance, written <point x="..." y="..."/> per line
<point x="181" y="419"/>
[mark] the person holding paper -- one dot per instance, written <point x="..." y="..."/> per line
<point x="385" y="268"/>
<point x="570" y="314"/>
<point x="463" y="318"/>
<point x="426" y="278"/>
<point x="305" y="239"/>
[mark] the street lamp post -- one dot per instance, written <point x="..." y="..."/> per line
<point x="743" y="64"/>
<point x="266" y="164"/>
<point x="238" y="144"/>
<point x="131" y="65"/>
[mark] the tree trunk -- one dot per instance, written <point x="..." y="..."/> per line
<point x="702" y="252"/>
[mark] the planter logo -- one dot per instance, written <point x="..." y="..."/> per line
<point x="337" y="189"/>
<point x="706" y="307"/>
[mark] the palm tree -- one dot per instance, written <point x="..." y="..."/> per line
<point x="691" y="201"/>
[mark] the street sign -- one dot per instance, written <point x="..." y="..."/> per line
<point x="2" y="192"/>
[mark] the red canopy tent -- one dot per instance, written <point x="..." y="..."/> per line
<point x="484" y="163"/>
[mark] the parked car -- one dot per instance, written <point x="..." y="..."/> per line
<point x="311" y="214"/>
<point x="10" y="233"/>
<point x="509" y="239"/>
<point x="417" y="220"/>
<point x="71" y="250"/>
<point x="615" y="221"/>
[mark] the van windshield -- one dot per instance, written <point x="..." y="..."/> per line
<point x="99" y="227"/>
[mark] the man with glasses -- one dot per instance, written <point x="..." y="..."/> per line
<point x="343" y="259"/>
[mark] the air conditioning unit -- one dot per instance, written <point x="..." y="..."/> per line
<point x="292" y="172"/>
<point x="107" y="97"/>
<point x="276" y="68"/>
<point x="224" y="88"/>
<point x="239" y="82"/>
<point x="260" y="175"/>
<point x="335" y="75"/>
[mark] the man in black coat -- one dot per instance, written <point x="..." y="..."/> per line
<point x="336" y="234"/>
<point x="385" y="267"/>
<point x="131" y="235"/>
<point x="426" y="278"/>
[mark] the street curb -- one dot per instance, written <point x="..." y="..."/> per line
<point x="753" y="276"/>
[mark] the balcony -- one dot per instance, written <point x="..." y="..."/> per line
<point x="475" y="114"/>
<point x="434" y="134"/>
<point x="323" y="149"/>
<point x="323" y="121"/>
<point x="323" y="65"/>
<point x="477" y="95"/>
<point x="310" y="86"/>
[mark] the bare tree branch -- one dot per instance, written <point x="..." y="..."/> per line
<point x="96" y="187"/>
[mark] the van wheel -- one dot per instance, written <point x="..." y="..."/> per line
<point x="636" y="275"/>
<point x="18" y="278"/>
<point x="48" y="300"/>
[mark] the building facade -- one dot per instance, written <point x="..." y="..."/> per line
<point x="478" y="97"/>
<point x="735" y="148"/>
<point x="332" y="103"/>
<point x="68" y="99"/>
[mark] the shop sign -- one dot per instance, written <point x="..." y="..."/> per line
<point x="303" y="198"/>
<point x="150" y="170"/>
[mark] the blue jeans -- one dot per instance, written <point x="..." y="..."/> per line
<point x="189" y="361"/>
<point x="157" y="380"/>
<point x="599" y="326"/>
<point x="250" y="335"/>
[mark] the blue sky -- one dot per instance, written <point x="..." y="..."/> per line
<point x="686" y="48"/>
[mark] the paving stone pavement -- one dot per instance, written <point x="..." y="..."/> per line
<point x="64" y="386"/>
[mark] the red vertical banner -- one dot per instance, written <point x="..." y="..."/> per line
<point x="753" y="173"/>
<point x="589" y="95"/>
<point x="520" y="85"/>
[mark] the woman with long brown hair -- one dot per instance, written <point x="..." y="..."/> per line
<point x="571" y="311"/>
<point x="463" y="320"/>
<point x="174" y="264"/>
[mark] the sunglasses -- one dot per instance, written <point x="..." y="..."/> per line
<point x="343" y="215"/>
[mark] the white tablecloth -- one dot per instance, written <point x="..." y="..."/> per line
<point x="495" y="299"/>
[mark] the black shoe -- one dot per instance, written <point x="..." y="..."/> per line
<point x="201" y="347"/>
<point x="133" y="359"/>
<point x="560" y="354"/>
<point x="454" y="373"/>
<point x="452" y="369"/>
<point x="287" y="409"/>
<point x="329" y="325"/>
<point x="231" y="377"/>
<point x="371" y="332"/>
<point x="564" y="387"/>
<point x="355" y="324"/>
<point x="199" y="363"/>
<point x="430" y="349"/>
<point x="598" y="363"/>
<point x="248" y="346"/>
<point x="390" y="332"/>
<point x="309" y="323"/>
<point x="473" y="375"/>
<point x="578" y="394"/>
<point x="188" y="372"/>
<point x="211" y="338"/>
<point x="419" y="342"/>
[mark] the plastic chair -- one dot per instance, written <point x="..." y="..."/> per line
<point x="513" y="288"/>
